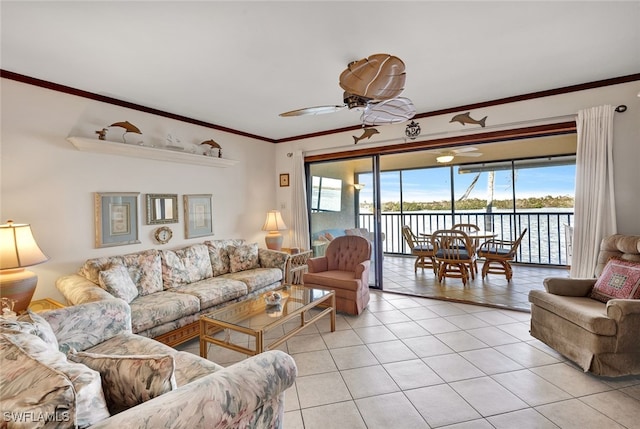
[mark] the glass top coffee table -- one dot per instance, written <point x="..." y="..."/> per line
<point x="255" y="318"/>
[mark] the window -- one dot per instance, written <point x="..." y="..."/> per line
<point x="326" y="194"/>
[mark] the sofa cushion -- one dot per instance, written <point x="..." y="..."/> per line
<point x="129" y="380"/>
<point x="219" y="254"/>
<point x="585" y="312"/>
<point x="256" y="278"/>
<point x="619" y="279"/>
<point x="144" y="268"/>
<point x="90" y="405"/>
<point x="161" y="307"/>
<point x="336" y="279"/>
<point x="214" y="290"/>
<point x="29" y="386"/>
<point x="184" y="266"/>
<point x="244" y="257"/>
<point x="117" y="282"/>
<point x="34" y="324"/>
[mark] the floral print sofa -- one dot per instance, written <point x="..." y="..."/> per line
<point x="168" y="290"/>
<point x="81" y="366"/>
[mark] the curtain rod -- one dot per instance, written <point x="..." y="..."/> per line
<point x="621" y="108"/>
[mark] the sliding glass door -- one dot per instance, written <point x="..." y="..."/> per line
<point x="343" y="200"/>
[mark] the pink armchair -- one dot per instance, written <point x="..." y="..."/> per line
<point x="344" y="268"/>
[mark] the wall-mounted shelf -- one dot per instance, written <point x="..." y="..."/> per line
<point x="124" y="149"/>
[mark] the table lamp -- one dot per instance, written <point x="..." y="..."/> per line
<point x="274" y="224"/>
<point x="18" y="249"/>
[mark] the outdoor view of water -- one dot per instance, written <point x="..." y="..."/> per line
<point x="544" y="243"/>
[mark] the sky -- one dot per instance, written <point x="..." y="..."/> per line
<point x="434" y="184"/>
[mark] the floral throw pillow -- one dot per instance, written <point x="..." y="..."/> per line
<point x="117" y="281"/>
<point x="619" y="279"/>
<point x="184" y="266"/>
<point x="244" y="257"/>
<point x="34" y="324"/>
<point x="130" y="380"/>
<point x="90" y="404"/>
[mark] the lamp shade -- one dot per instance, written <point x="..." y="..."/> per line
<point x="274" y="222"/>
<point x="18" y="248"/>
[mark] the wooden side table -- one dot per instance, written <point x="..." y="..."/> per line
<point x="45" y="305"/>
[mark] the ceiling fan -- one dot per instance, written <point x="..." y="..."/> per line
<point x="445" y="156"/>
<point x="372" y="85"/>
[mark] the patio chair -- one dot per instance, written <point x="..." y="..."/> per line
<point x="421" y="249"/>
<point x="498" y="254"/>
<point x="452" y="254"/>
<point x="470" y="227"/>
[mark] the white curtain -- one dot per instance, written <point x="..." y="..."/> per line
<point x="299" y="232"/>
<point x="595" y="213"/>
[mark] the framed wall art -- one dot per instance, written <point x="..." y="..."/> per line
<point x="116" y="218"/>
<point x="284" y="180"/>
<point x="198" y="220"/>
<point x="162" y="208"/>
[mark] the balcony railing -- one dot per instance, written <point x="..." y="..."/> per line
<point x="545" y="242"/>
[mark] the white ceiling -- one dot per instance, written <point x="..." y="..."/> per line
<point x="238" y="64"/>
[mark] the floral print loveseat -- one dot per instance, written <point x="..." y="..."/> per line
<point x="168" y="290"/>
<point x="81" y="366"/>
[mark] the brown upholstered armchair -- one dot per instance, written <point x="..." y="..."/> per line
<point x="601" y="337"/>
<point x="345" y="269"/>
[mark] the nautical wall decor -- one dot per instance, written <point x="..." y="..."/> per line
<point x="366" y="134"/>
<point x="413" y="130"/>
<point x="465" y="118"/>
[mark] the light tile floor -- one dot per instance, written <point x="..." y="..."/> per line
<point x="410" y="362"/>
<point x="493" y="290"/>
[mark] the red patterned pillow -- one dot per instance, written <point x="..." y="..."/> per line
<point x="619" y="279"/>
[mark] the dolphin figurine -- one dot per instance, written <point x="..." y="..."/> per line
<point x="127" y="126"/>
<point x="465" y="118"/>
<point x="366" y="134"/>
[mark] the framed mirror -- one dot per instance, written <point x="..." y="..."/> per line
<point x="162" y="208"/>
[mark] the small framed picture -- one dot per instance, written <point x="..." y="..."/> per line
<point x="284" y="180"/>
<point x="198" y="220"/>
<point x="116" y="218"/>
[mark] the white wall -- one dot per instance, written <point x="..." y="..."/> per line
<point x="558" y="108"/>
<point x="49" y="184"/>
<point x="46" y="182"/>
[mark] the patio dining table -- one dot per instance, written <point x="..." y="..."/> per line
<point x="474" y="235"/>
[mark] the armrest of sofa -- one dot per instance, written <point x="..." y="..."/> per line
<point x="273" y="259"/>
<point x="319" y="264"/>
<point x="241" y="395"/>
<point x="78" y="290"/>
<point x="626" y="313"/>
<point x="568" y="287"/>
<point x="86" y="325"/>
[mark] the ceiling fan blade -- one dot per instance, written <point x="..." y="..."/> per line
<point x="380" y="77"/>
<point x="391" y="111"/>
<point x="465" y="149"/>
<point x="316" y="110"/>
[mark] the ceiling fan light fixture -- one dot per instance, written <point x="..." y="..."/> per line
<point x="386" y="112"/>
<point x="443" y="159"/>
